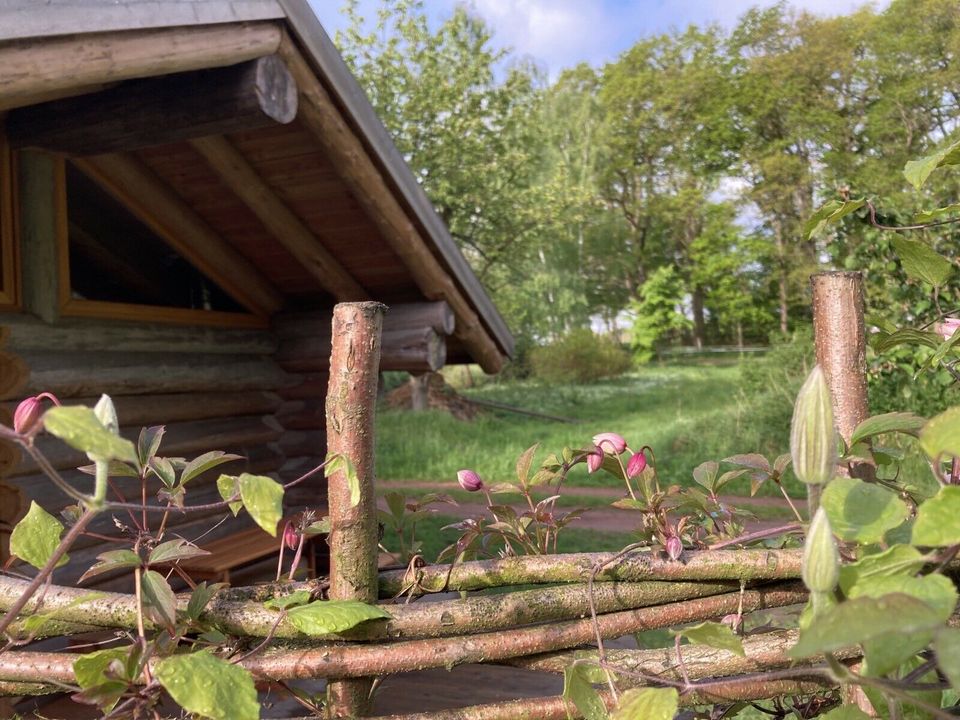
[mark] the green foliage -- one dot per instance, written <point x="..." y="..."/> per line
<point x="715" y="635"/>
<point x="263" y="499"/>
<point x="647" y="704"/>
<point x="36" y="537"/>
<point x="860" y="511"/>
<point x="328" y="617"/>
<point x="80" y="428"/>
<point x="204" y="684"/>
<point x="579" y="357"/>
<point x="658" y="315"/>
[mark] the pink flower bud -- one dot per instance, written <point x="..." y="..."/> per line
<point x="734" y="621"/>
<point x="469" y="480"/>
<point x="594" y="460"/>
<point x="610" y="442"/>
<point x="948" y="327"/>
<point x="26" y="418"/>
<point x="637" y="464"/>
<point x="674" y="547"/>
<point x="290" y="537"/>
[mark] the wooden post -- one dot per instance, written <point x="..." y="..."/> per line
<point x="350" y="407"/>
<point x="419" y="391"/>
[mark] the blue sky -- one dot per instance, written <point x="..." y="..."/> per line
<point x="561" y="33"/>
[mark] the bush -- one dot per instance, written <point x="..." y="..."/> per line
<point x="581" y="357"/>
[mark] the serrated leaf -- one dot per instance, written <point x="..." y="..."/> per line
<point x="647" y="704"/>
<point x="205" y="462"/>
<point x="229" y="487"/>
<point x="79" y="427"/>
<point x="263" y="499"/>
<point x="863" y="619"/>
<point x="149" y="442"/>
<point x="299" y="597"/>
<point x="209" y="687"/>
<point x="328" y="617"/>
<point x="578" y="689"/>
<point x="110" y="561"/>
<point x="174" y="550"/>
<point x="917" y="171"/>
<point x="832" y="211"/>
<point x="35" y="538"/>
<point x="159" y="602"/>
<point x="524" y="462"/>
<point x="861" y="511"/>
<point x="542" y="477"/>
<point x="941" y="435"/>
<point x="946" y="645"/>
<point x="715" y="635"/>
<point x="921" y="262"/>
<point x="901" y="422"/>
<point x="200" y="597"/>
<point x="936" y="524"/>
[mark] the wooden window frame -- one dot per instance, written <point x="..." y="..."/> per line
<point x="10" y="273"/>
<point x="105" y="310"/>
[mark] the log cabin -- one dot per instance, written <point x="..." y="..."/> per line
<point x="186" y="190"/>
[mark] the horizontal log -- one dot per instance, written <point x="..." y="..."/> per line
<point x="27" y="333"/>
<point x="416" y="350"/>
<point x="181" y="439"/>
<point x="302" y="443"/>
<point x="401" y="316"/>
<point x="160" y="110"/>
<point x="13" y="374"/>
<point x="302" y="415"/>
<point x="64" y="65"/>
<point x="310" y="386"/>
<point x="85" y="374"/>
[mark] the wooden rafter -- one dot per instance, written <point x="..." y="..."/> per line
<point x="234" y="170"/>
<point x="322" y="117"/>
<point x="160" y="207"/>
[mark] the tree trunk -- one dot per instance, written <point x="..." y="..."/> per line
<point x="782" y="279"/>
<point x="419" y="387"/>
<point x="699" y="325"/>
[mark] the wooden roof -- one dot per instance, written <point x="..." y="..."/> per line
<point x="320" y="209"/>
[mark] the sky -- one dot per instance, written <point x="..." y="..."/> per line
<point x="558" y="34"/>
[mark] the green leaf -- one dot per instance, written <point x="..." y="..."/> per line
<point x="327" y="617"/>
<point x="941" y="436"/>
<point x="863" y="619"/>
<point x="102" y="675"/>
<point x="200" y="597"/>
<point x="861" y="511"/>
<point x="207" y="461"/>
<point x="209" y="687"/>
<point x="896" y="562"/>
<point x="946" y="645"/>
<point x="79" y="427"/>
<point x="647" y="704"/>
<point x="340" y="463"/>
<point x="883" y="342"/>
<point x="163" y="469"/>
<point x="936" y="524"/>
<point x="715" y="635"/>
<point x="159" y="602"/>
<point x="902" y="422"/>
<point x="706" y="473"/>
<point x="921" y="262"/>
<point x="148" y="443"/>
<point x="935" y="590"/>
<point x="831" y="211"/>
<point x="931" y="215"/>
<point x="112" y="560"/>
<point x="524" y="462"/>
<point x="263" y="499"/>
<point x="578" y="690"/>
<point x="846" y="712"/>
<point x="300" y="597"/>
<point x="174" y="550"/>
<point x="229" y="487"/>
<point x="36" y="537"/>
<point x="917" y="171"/>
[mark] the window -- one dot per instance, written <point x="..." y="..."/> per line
<point x="8" y="256"/>
<point x="114" y="264"/>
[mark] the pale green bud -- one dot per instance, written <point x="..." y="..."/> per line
<point x="813" y="440"/>
<point x="107" y="414"/>
<point x="821" y="558"/>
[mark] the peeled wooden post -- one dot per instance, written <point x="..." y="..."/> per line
<point x="351" y="402"/>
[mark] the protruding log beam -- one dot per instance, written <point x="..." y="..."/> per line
<point x="39" y="70"/>
<point x="416" y="350"/>
<point x="351" y="404"/>
<point x="323" y="118"/>
<point x="436" y="315"/>
<point x="154" y="202"/>
<point x="278" y="219"/>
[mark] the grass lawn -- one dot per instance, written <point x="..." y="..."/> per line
<point x="687" y="413"/>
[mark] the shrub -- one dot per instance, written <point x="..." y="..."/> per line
<point x="581" y="356"/>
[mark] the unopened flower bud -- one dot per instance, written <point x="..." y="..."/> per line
<point x="594" y="460"/>
<point x="821" y="558"/>
<point x="674" y="547"/>
<point x="813" y="443"/>
<point x="107" y="414"/>
<point x="637" y="464"/>
<point x="610" y="442"/>
<point x="469" y="480"/>
<point x="290" y="537"/>
<point x="734" y="621"/>
<point x="26" y="418"/>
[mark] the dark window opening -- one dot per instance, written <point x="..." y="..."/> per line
<point x="116" y="257"/>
